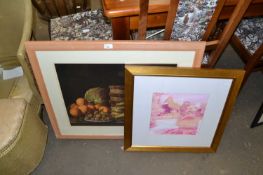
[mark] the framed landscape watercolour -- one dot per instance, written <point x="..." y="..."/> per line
<point x="175" y="109"/>
<point x="258" y="120"/>
<point x="82" y="82"/>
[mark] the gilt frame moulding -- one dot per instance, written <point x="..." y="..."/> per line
<point x="182" y="110"/>
<point x="44" y="56"/>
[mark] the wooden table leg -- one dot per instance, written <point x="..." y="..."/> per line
<point x="121" y="28"/>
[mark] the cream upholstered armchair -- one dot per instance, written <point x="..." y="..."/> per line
<point x="16" y="27"/>
<point x="22" y="133"/>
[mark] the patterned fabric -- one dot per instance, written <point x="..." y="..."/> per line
<point x="89" y="25"/>
<point x="250" y="33"/>
<point x="192" y="19"/>
<point x="151" y="34"/>
<point x="205" y="59"/>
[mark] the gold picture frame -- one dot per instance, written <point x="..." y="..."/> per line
<point x="177" y="109"/>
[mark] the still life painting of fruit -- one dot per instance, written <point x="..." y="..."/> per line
<point x="93" y="93"/>
<point x="99" y="105"/>
<point x="177" y="113"/>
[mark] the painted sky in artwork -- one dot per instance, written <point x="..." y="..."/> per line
<point x="177" y="113"/>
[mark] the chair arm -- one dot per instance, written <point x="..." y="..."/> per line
<point x="21" y="53"/>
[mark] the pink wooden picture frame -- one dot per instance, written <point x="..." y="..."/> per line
<point x="45" y="55"/>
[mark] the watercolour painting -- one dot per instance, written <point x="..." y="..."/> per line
<point x="177" y="114"/>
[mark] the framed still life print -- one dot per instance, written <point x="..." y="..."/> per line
<point x="82" y="82"/>
<point x="174" y="109"/>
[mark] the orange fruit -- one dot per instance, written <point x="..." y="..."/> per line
<point x="74" y="112"/>
<point x="73" y="105"/>
<point x="104" y="109"/>
<point x="80" y="101"/>
<point x="91" y="107"/>
<point x="83" y="108"/>
<point x="97" y="106"/>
